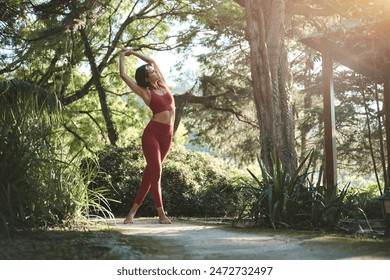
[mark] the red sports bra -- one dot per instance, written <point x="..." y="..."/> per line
<point x="161" y="103"/>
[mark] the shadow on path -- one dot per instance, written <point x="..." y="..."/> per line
<point x="184" y="240"/>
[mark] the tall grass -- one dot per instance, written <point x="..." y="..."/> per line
<point x="40" y="184"/>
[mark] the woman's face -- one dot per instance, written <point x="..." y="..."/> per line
<point x="153" y="75"/>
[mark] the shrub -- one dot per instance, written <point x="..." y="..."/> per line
<point x="279" y="197"/>
<point x="194" y="184"/>
<point x="25" y="152"/>
<point x="294" y="201"/>
<point x="368" y="202"/>
<point x="39" y="184"/>
<point x="120" y="171"/>
<point x="338" y="205"/>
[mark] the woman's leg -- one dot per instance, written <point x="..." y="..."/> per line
<point x="155" y="146"/>
<point x="141" y="194"/>
<point x="165" y="146"/>
<point x="144" y="187"/>
<point x="145" y="183"/>
<point x="152" y="152"/>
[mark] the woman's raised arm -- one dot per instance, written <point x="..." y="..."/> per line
<point x="142" y="92"/>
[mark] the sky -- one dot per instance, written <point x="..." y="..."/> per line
<point x="166" y="61"/>
<point x="178" y="81"/>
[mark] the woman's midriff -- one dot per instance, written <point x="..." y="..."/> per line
<point x="165" y="117"/>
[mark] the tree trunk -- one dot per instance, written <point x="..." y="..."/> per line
<point x="111" y="131"/>
<point x="271" y="79"/>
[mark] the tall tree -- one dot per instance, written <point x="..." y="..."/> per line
<point x="57" y="39"/>
<point x="267" y="22"/>
<point x="265" y="32"/>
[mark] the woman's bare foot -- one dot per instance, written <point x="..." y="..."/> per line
<point x="132" y="212"/>
<point x="163" y="219"/>
<point x="128" y="221"/>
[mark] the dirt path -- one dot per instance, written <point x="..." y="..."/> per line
<point x="193" y="241"/>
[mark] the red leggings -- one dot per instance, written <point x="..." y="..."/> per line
<point x="156" y="142"/>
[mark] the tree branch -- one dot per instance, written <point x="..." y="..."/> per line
<point x="209" y="103"/>
<point x="78" y="137"/>
<point x="112" y="134"/>
<point x="88" y="113"/>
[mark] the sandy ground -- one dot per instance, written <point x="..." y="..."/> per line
<point x="184" y="240"/>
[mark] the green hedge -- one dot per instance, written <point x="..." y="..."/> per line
<point x="194" y="184"/>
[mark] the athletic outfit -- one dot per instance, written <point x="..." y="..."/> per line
<point x="156" y="142"/>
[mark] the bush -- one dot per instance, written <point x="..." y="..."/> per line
<point x="294" y="201"/>
<point x="193" y="184"/>
<point x="120" y="172"/>
<point x="39" y="184"/>
<point x="277" y="197"/>
<point x="368" y="202"/>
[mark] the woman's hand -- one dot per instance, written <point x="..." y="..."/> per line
<point x="128" y="52"/>
<point x="125" y="51"/>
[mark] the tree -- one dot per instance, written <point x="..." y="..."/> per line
<point x="265" y="22"/>
<point x="58" y="38"/>
<point x="226" y="111"/>
<point x="232" y="65"/>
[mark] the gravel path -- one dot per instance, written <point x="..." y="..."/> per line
<point x="184" y="240"/>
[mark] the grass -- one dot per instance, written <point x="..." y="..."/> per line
<point x="89" y="243"/>
<point x="59" y="245"/>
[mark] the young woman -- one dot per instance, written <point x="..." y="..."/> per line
<point x="157" y="137"/>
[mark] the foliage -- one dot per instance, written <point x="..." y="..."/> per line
<point x="294" y="201"/>
<point x="193" y="184"/>
<point x="25" y="131"/>
<point x="228" y="125"/>
<point x="83" y="123"/>
<point x="225" y="67"/>
<point x="358" y="100"/>
<point x="56" y="45"/>
<point x="366" y="200"/>
<point x="43" y="43"/>
<point x="212" y="180"/>
<point x="357" y="120"/>
<point x="39" y="184"/>
<point x="71" y="47"/>
<point x="278" y="195"/>
<point x="336" y="205"/>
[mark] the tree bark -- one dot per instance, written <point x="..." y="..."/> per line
<point x="188" y="97"/>
<point x="270" y="80"/>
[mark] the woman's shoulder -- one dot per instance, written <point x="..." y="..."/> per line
<point x="163" y="85"/>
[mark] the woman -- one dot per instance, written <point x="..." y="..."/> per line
<point x="157" y="137"/>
